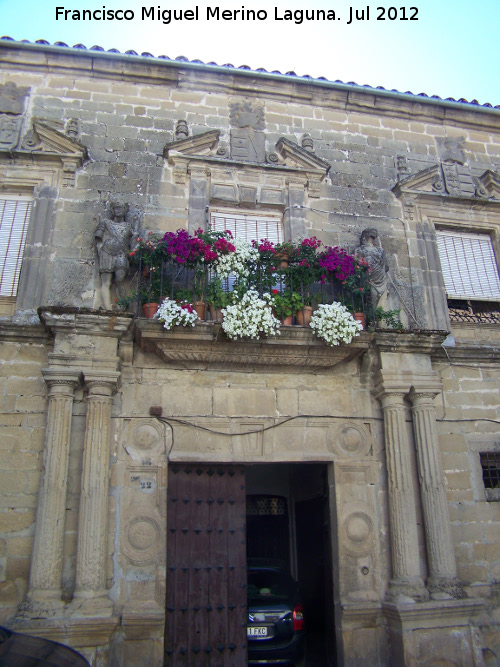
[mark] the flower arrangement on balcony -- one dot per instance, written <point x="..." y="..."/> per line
<point x="238" y="263"/>
<point x="171" y="313"/>
<point x="334" y="324"/>
<point x="252" y="284"/>
<point x="250" y="317"/>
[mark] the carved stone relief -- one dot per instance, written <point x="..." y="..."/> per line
<point x="359" y="557"/>
<point x="143" y="474"/>
<point x="12" y="97"/>
<point x="350" y="440"/>
<point x="10" y="127"/>
<point x="248" y="141"/>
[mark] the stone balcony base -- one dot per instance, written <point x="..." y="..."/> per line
<point x="206" y="346"/>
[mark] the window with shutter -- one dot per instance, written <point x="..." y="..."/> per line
<point x="14" y="220"/>
<point x="470" y="274"/>
<point x="469" y="266"/>
<point x="248" y="227"/>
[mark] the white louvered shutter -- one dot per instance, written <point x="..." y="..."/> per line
<point x="14" y="221"/>
<point x="248" y="227"/>
<point x="469" y="266"/>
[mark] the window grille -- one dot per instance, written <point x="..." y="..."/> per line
<point x="14" y="221"/>
<point x="248" y="227"/>
<point x="266" y="505"/>
<point x="469" y="266"/>
<point x="490" y="464"/>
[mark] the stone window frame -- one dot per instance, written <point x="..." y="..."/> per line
<point x="482" y="444"/>
<point x="38" y="183"/>
<point x="15" y="215"/>
<point x="477" y="226"/>
<point x="470" y="262"/>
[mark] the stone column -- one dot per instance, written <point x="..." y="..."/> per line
<point x="93" y="517"/>
<point x="440" y="553"/>
<point x="406" y="579"/>
<point x="46" y="562"/>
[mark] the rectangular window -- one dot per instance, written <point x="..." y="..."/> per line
<point x="469" y="266"/>
<point x="490" y="464"/>
<point x="14" y="221"/>
<point x="248" y="227"/>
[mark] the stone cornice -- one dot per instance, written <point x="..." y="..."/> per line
<point x="481" y="353"/>
<point x="188" y="161"/>
<point x="206" y="346"/>
<point x="124" y="67"/>
<point x="27" y="332"/>
<point x="419" y="342"/>
<point x="97" y="323"/>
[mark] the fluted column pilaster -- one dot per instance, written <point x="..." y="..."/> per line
<point x="406" y="579"/>
<point x="440" y="552"/>
<point x="93" y="517"/>
<point x="46" y="562"/>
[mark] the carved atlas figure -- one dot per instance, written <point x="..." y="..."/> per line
<point x="371" y="249"/>
<point x="115" y="237"/>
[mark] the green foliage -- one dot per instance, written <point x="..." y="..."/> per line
<point x="286" y="303"/>
<point x="390" y="317"/>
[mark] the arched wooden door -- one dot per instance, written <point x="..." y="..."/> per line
<point x="206" y="598"/>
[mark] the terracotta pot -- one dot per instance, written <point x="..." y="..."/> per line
<point x="215" y="313"/>
<point x="282" y="260"/>
<point x="200" y="309"/>
<point x="303" y="316"/>
<point x="361" y="318"/>
<point x="149" y="309"/>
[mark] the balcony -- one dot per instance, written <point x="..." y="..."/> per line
<point x="253" y="303"/>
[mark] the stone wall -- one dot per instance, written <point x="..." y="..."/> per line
<point x="101" y="126"/>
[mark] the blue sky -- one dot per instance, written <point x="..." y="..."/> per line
<point x="452" y="50"/>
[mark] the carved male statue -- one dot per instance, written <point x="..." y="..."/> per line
<point x="371" y="249"/>
<point x="115" y="238"/>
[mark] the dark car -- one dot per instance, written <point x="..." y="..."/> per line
<point x="19" y="650"/>
<point x="275" y="629"/>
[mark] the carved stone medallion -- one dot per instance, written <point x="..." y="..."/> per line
<point x="350" y="440"/>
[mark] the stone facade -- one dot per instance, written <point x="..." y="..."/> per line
<point x="396" y="420"/>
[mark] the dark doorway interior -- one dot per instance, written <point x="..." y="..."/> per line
<point x="288" y="519"/>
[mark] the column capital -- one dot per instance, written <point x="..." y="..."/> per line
<point x="390" y="384"/>
<point x="62" y="376"/>
<point x="101" y="382"/>
<point x="424" y="391"/>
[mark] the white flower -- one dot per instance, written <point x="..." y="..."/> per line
<point x="334" y="324"/>
<point x="236" y="262"/>
<point x="251" y="317"/>
<point x="172" y="313"/>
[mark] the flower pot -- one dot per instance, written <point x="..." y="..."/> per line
<point x="200" y="309"/>
<point x="361" y="318"/>
<point x="303" y="316"/>
<point x="282" y="260"/>
<point x="149" y="309"/>
<point x="215" y="313"/>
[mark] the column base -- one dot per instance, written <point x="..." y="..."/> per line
<point x="440" y="632"/>
<point x="81" y="606"/>
<point x="411" y="589"/>
<point x="445" y="588"/>
<point x="41" y="604"/>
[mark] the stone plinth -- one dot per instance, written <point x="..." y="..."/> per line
<point x="434" y="633"/>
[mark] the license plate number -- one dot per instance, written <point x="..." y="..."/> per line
<point x="256" y="632"/>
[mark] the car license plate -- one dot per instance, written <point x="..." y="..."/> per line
<point x="256" y="632"/>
